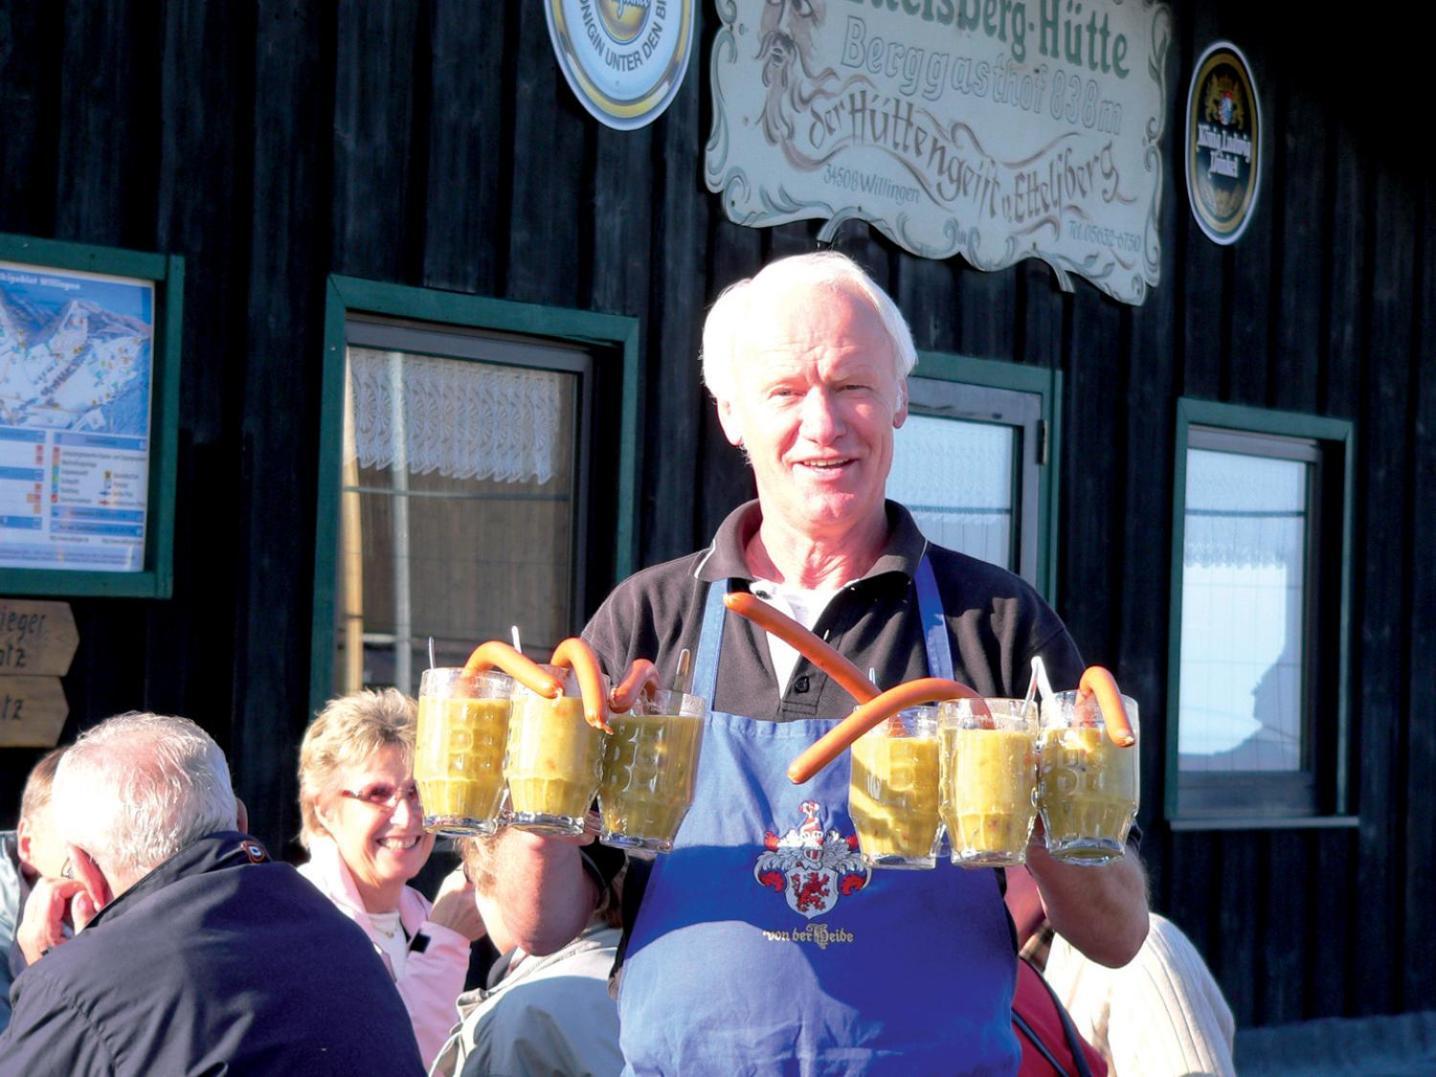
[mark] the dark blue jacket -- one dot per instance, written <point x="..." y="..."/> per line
<point x="217" y="962"/>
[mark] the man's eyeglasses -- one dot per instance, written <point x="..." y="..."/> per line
<point x="384" y="796"/>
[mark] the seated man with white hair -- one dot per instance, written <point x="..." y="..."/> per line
<point x="194" y="953"/>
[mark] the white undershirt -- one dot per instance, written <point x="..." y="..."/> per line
<point x="802" y="604"/>
<point x="389" y="936"/>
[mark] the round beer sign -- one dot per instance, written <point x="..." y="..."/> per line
<point x="623" y="59"/>
<point x="1223" y="143"/>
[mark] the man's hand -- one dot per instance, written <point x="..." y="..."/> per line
<point x="50" y="905"/>
<point x="454" y="906"/>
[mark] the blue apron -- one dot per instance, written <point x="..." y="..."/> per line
<point x="764" y="944"/>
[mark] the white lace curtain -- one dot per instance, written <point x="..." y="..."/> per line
<point x="1244" y="510"/>
<point x="961" y="469"/>
<point x="465" y="420"/>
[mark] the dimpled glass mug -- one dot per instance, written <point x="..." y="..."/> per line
<point x="459" y="749"/>
<point x="1088" y="787"/>
<point x="893" y="792"/>
<point x="650" y="771"/>
<point x="553" y="758"/>
<point x="988" y="753"/>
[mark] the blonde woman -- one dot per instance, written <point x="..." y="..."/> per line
<point x="363" y="827"/>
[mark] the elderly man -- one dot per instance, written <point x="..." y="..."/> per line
<point x="722" y="971"/>
<point x="194" y="953"/>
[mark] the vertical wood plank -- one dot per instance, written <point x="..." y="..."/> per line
<point x="1235" y="951"/>
<point x="470" y="149"/>
<point x="550" y="255"/>
<point x="1347" y="218"/>
<point x="204" y="176"/>
<point x="1330" y="979"/>
<point x="1091" y="432"/>
<point x="1301" y="251"/>
<point x="987" y="305"/>
<point x="1185" y="900"/>
<point x="1418" y="984"/>
<point x="1046" y="310"/>
<point x="675" y="393"/>
<point x="1380" y="657"/>
<point x="1285" y="894"/>
<point x="925" y="294"/>
<point x="278" y="479"/>
<point x="29" y="101"/>
<point x="105" y="182"/>
<point x="373" y="107"/>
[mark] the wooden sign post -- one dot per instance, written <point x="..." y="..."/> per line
<point x="37" y="644"/>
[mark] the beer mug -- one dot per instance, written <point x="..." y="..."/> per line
<point x="459" y="749"/>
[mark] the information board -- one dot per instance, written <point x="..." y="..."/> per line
<point x="76" y="377"/>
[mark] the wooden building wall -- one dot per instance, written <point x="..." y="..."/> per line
<point x="435" y="143"/>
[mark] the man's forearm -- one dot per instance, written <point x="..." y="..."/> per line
<point x="1102" y="911"/>
<point x="545" y="895"/>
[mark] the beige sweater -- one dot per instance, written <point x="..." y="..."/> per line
<point x="1161" y="1014"/>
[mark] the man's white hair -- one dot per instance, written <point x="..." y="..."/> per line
<point x="138" y="788"/>
<point x="728" y="323"/>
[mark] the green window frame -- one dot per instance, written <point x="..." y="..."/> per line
<point x="365" y="307"/>
<point x="1316" y="792"/>
<point x="166" y="271"/>
<point x="1025" y="400"/>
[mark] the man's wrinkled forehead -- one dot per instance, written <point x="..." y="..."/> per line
<point x="789" y="324"/>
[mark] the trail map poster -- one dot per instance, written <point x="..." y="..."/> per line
<point x="76" y="366"/>
<point x="993" y="129"/>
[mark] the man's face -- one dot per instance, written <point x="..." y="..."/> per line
<point x="40" y="848"/>
<point x="815" y="400"/>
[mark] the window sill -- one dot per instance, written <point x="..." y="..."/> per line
<point x="1265" y="822"/>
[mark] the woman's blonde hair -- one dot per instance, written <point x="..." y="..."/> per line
<point x="348" y="731"/>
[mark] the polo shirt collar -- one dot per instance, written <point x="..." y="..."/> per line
<point x="724" y="558"/>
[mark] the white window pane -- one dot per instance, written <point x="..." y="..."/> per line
<point x="956" y="477"/>
<point x="457" y="512"/>
<point x="1243" y="574"/>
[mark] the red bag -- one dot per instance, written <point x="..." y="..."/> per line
<point x="1050" y="1042"/>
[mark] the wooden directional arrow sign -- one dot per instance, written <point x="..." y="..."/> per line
<point x="37" y="644"/>
<point x="36" y="638"/>
<point x="32" y="712"/>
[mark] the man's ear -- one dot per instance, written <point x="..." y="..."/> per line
<point x="241" y="816"/>
<point x="728" y="419"/>
<point x="24" y="838"/>
<point x="89" y="875"/>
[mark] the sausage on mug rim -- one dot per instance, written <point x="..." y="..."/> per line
<point x="869" y="714"/>
<point x="497" y="654"/>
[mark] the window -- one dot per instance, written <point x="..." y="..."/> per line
<point x="460" y="495"/>
<point x="972" y="464"/>
<point x="1258" y="672"/>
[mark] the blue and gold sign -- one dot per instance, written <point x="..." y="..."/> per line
<point x="1223" y="143"/>
<point x="623" y="59"/>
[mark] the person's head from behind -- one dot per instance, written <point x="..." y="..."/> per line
<point x="40" y="848"/>
<point x="134" y="791"/>
<point x="356" y="787"/>
<point x="808" y="363"/>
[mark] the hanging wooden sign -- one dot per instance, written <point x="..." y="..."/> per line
<point x="32" y="712"/>
<point x="36" y="638"/>
<point x="995" y="131"/>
